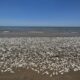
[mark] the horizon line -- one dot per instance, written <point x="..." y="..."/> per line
<point x="39" y="26"/>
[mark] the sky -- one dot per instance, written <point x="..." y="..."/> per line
<point x="39" y="12"/>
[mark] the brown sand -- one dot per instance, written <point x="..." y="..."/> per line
<point x="31" y="75"/>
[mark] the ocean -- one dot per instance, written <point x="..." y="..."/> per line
<point x="21" y="31"/>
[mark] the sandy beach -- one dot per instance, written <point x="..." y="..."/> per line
<point x="40" y="58"/>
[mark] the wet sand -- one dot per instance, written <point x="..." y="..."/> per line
<point x="31" y="75"/>
<point x="38" y="34"/>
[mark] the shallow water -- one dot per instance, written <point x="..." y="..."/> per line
<point x="39" y="31"/>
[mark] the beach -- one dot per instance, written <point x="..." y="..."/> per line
<point x="36" y="58"/>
